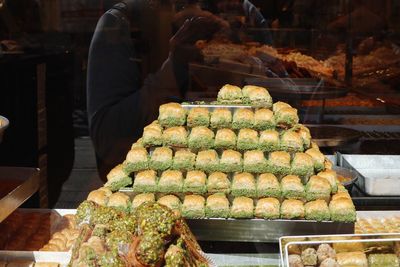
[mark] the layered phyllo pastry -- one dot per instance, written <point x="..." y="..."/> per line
<point x="172" y="114"/>
<point x="161" y="158"/>
<point x="279" y="162"/>
<point x="137" y="159"/>
<point x="142" y="198"/>
<point x="201" y="137"/>
<point x="221" y="118"/>
<point x="292" y="187"/>
<point x="247" y="139"/>
<point x="198" y="117"/>
<point x="207" y="160"/>
<point x="152" y="134"/>
<point x="184" y="159"/>
<point x="193" y="207"/>
<point x="218" y="182"/>
<point x="225" y="139"/>
<point x="195" y="182"/>
<point x="217" y="206"/>
<point x="254" y="161"/>
<point x="264" y="119"/>
<point x="256" y="95"/>
<point x="317" y="210"/>
<point x="171" y="181"/>
<point x="269" y="140"/>
<point x="243" y="184"/>
<point x="230" y="94"/>
<point x="268" y="186"/>
<point x="175" y="136"/>
<point x="145" y="181"/>
<point x="242" y="207"/>
<point x="267" y="208"/>
<point x="243" y="118"/>
<point x="231" y="161"/>
<point x="117" y="178"/>
<point x="292" y="209"/>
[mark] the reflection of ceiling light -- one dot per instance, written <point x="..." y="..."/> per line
<point x="381" y="100"/>
<point x="1" y="4"/>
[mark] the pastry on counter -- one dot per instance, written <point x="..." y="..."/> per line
<point x="318" y="158"/>
<point x="269" y="140"/>
<point x="318" y="188"/>
<point x="217" y="206"/>
<point x="175" y="136"/>
<point x="195" y="182"/>
<point x="230" y="94"/>
<point x="254" y="161"/>
<point x="268" y="186"/>
<point x="243" y="184"/>
<point x="291" y="141"/>
<point x="221" y="118"/>
<point x="256" y="95"/>
<point x="231" y="161"/>
<point x="171" y="201"/>
<point x="267" y="208"/>
<point x="184" y="159"/>
<point x="279" y="162"/>
<point x="243" y="118"/>
<point x="120" y="201"/>
<point x="317" y="210"/>
<point x="225" y="139"/>
<point x="357" y="258"/>
<point x="264" y="119"/>
<point x="292" y="187"/>
<point x="99" y="197"/>
<point x="118" y="178"/>
<point x="285" y="115"/>
<point x="137" y="159"/>
<point x="247" y="139"/>
<point x="331" y="177"/>
<point x="201" y="137"/>
<point x="193" y="207"/>
<point x="161" y="158"/>
<point x="171" y="181"/>
<point x="172" y="114"/>
<point x="242" y="208"/>
<point x="292" y="209"/>
<point x="142" y="198"/>
<point x="198" y="117"/>
<point x="145" y="181"/>
<point x="218" y="182"/>
<point x="207" y="160"/>
<point x="305" y="135"/>
<point x="152" y="134"/>
<point x="342" y="210"/>
<point x="302" y="165"/>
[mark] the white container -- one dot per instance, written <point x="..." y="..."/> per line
<point x="380" y="174"/>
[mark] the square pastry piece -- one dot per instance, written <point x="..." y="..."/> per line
<point x="318" y="188"/>
<point x="145" y="181"/>
<point x="342" y="210"/>
<point x="184" y="159"/>
<point x="247" y="139"/>
<point x="264" y="119"/>
<point x="317" y="210"/>
<point x="292" y="209"/>
<point x="331" y="177"/>
<point x="291" y="141"/>
<point x="303" y="165"/>
<point x="225" y="139"/>
<point x="193" y="207"/>
<point x="175" y="136"/>
<point x="161" y="158"/>
<point x="142" y="198"/>
<point x="217" y="206"/>
<point x="207" y="160"/>
<point x="268" y="208"/>
<point x="172" y="114"/>
<point x="230" y="94"/>
<point x="279" y="162"/>
<point x="231" y="161"/>
<point x="257" y="95"/>
<point x="137" y="159"/>
<point x="269" y="140"/>
<point x="292" y="187"/>
<point x="243" y="118"/>
<point x="171" y="181"/>
<point x="198" y="117"/>
<point x="305" y="135"/>
<point x="285" y="115"/>
<point x="218" y="182"/>
<point x="221" y="118"/>
<point x="242" y="207"/>
<point x="318" y="158"/>
<point x="243" y="184"/>
<point x="152" y="134"/>
<point x="201" y="137"/>
<point x="255" y="161"/>
<point x="268" y="186"/>
<point x="195" y="182"/>
<point x="171" y="202"/>
<point x="117" y="178"/>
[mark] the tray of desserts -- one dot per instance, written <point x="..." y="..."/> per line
<point x="369" y="250"/>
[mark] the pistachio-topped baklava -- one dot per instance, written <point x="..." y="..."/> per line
<point x="198" y="117"/>
<point x="172" y="114"/>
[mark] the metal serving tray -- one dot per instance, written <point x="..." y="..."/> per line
<point x="61" y="258"/>
<point x="379" y="175"/>
<point x="286" y="241"/>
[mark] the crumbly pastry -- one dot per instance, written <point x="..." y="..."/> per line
<point x="198" y="117"/>
<point x="137" y="159"/>
<point x="161" y="158"/>
<point x="264" y="119"/>
<point x="193" y="207"/>
<point x="268" y="186"/>
<point x="217" y="206"/>
<point x="175" y="136"/>
<point x="242" y="207"/>
<point x="183" y="160"/>
<point x="120" y="201"/>
<point x="279" y="162"/>
<point x="171" y="202"/>
<point x="145" y="181"/>
<point x="357" y="258"/>
<point x="230" y="94"/>
<point x="257" y="95"/>
<point x="342" y="210"/>
<point x="291" y="141"/>
<point x="292" y="187"/>
<point x="302" y="165"/>
<point x="309" y="257"/>
<point x="195" y="182"/>
<point x="218" y="182"/>
<point x="142" y="198"/>
<point x="243" y="184"/>
<point x="172" y="114"/>
<point x="201" y="137"/>
<point x="207" y="160"/>
<point x="292" y="209"/>
<point x="247" y="139"/>
<point x="254" y="161"/>
<point x="317" y="210"/>
<point x="231" y="161"/>
<point x="243" y="118"/>
<point x="99" y="197"/>
<point x="267" y="208"/>
<point x="225" y="139"/>
<point x="269" y="140"/>
<point x="331" y="177"/>
<point x="318" y="188"/>
<point x="318" y="158"/>
<point x="152" y="134"/>
<point x="221" y="118"/>
<point x="171" y="181"/>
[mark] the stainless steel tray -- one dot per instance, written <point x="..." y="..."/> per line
<point x="17" y="185"/>
<point x="62" y="258"/>
<point x="286" y="241"/>
<point x="379" y="175"/>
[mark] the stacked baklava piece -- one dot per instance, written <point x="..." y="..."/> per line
<point x="233" y="161"/>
